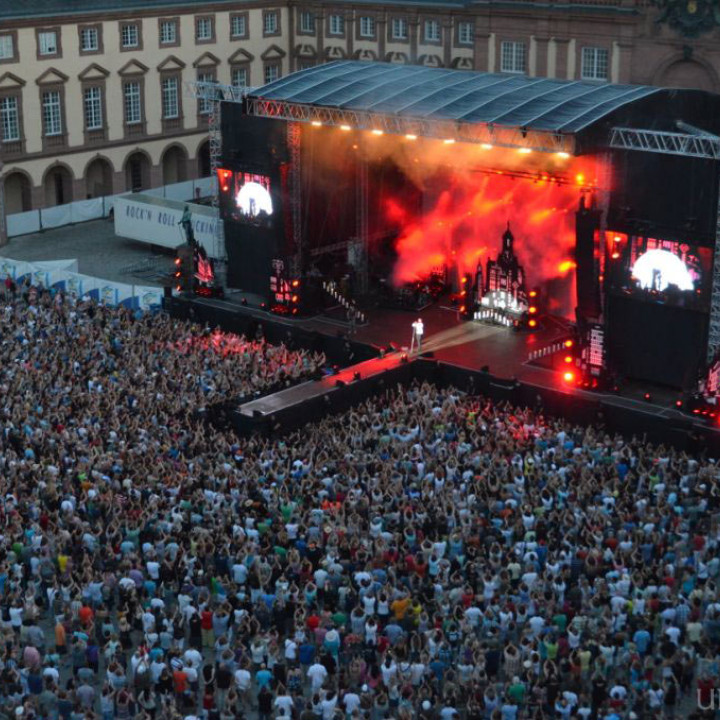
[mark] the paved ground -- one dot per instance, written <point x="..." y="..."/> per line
<point x="98" y="250"/>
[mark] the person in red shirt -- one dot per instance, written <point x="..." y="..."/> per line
<point x="206" y="626"/>
<point x="86" y="615"/>
<point x="180" y="681"/>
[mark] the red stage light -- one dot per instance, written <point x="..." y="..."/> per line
<point x="462" y="308"/>
<point x="532" y="323"/>
<point x="532" y="310"/>
<point x="568" y="358"/>
<point x="568" y="377"/>
<point x="615" y="255"/>
<point x="678" y="403"/>
<point x="696" y="411"/>
<point x="296" y="283"/>
<point x="178" y="261"/>
<point x="532" y="293"/>
<point x="294" y="298"/>
<point x="568" y="343"/>
<point x="225" y="188"/>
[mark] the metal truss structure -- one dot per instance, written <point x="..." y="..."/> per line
<point x="295" y="180"/>
<point x="687" y="144"/>
<point x="448" y="130"/>
<point x="214" y="94"/>
<point x="714" y="325"/>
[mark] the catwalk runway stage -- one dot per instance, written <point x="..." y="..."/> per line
<point x="482" y="358"/>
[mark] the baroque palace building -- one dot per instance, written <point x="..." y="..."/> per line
<point x="91" y="91"/>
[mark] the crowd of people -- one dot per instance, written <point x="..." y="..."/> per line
<point x="428" y="555"/>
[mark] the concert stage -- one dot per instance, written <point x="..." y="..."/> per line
<point x="558" y="211"/>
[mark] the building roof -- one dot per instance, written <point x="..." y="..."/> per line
<point x="438" y="94"/>
<point x="21" y="9"/>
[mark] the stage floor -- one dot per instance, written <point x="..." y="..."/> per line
<point x="467" y="344"/>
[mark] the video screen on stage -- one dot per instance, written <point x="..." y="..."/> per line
<point x="658" y="270"/>
<point x="247" y="196"/>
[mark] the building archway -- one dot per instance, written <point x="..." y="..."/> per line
<point x="58" y="184"/>
<point x="687" y="73"/>
<point x="203" y="160"/>
<point x="174" y="165"/>
<point x="18" y="196"/>
<point x="98" y="178"/>
<point x="137" y="172"/>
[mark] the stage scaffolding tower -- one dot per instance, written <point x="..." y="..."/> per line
<point x="693" y="142"/>
<point x="213" y="94"/>
<point x="297" y="259"/>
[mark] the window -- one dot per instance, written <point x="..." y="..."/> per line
<point x="305" y="64"/>
<point x="203" y="103"/>
<point x="129" y="36"/>
<point x="7" y="47"/>
<point x="133" y="103"/>
<point x="92" y="98"/>
<point x="204" y="29"/>
<point x="512" y="57"/>
<point x="9" y="119"/>
<point x="270" y="23"/>
<point x="170" y="106"/>
<point x="47" y="43"/>
<point x="89" y="39"/>
<point x="594" y="63"/>
<point x="272" y="72"/>
<point x="466" y="33"/>
<point x="238" y="26"/>
<point x="52" y="113"/>
<point x="307" y="22"/>
<point x="239" y="77"/>
<point x="168" y="32"/>
<point x="432" y="31"/>
<point x="337" y="25"/>
<point x="399" y="29"/>
<point x="367" y="27"/>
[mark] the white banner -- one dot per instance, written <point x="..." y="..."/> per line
<point x="157" y="221"/>
<point x="55" y="216"/>
<point x="23" y="223"/>
<point x="85" y="210"/>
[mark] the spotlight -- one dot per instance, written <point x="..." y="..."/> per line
<point x="532" y="293"/>
<point x="647" y="397"/>
<point x="568" y="343"/>
<point x="296" y="283"/>
<point x="580" y="178"/>
<point x="678" y="403"/>
<point x="410" y="137"/>
<point x="568" y="358"/>
<point x="448" y="141"/>
<point x="486" y="146"/>
<point x="316" y="123"/>
<point x="563" y="155"/>
<point x="346" y="128"/>
<point x="615" y="255"/>
<point x="568" y="377"/>
<point x="404" y="358"/>
<point x="532" y="323"/>
<point x="377" y="132"/>
<point x="525" y="150"/>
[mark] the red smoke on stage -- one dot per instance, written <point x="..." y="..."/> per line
<point x="466" y="223"/>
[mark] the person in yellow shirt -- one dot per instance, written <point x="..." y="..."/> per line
<point x="400" y="607"/>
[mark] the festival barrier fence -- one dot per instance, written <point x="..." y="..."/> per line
<point x="62" y="275"/>
<point x="96" y="208"/>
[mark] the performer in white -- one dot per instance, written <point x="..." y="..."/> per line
<point x="417" y="335"/>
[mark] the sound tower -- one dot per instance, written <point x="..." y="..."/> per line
<point x="254" y="148"/>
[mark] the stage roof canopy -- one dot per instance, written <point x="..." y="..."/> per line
<point x="512" y="110"/>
